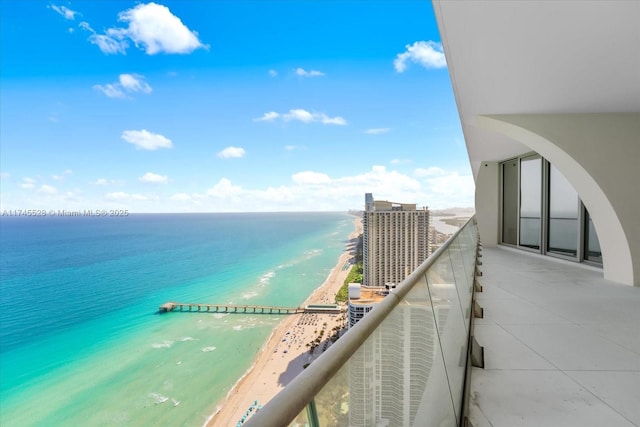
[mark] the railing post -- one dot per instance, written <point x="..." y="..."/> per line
<point x="312" y="414"/>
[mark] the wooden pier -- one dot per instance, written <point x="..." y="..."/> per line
<point x="228" y="308"/>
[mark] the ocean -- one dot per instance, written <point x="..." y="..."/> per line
<point x="81" y="342"/>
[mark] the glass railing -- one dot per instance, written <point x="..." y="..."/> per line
<point x="403" y="364"/>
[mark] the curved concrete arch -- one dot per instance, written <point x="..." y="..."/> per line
<point x="598" y="154"/>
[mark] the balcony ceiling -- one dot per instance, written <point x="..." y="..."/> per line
<point x="530" y="57"/>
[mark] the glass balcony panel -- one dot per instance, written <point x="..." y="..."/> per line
<point x="463" y="281"/>
<point x="410" y="369"/>
<point x="450" y="324"/>
<point x="301" y="420"/>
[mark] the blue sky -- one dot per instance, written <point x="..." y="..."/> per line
<point x="212" y="106"/>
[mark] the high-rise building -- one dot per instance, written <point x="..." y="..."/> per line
<point x="395" y="240"/>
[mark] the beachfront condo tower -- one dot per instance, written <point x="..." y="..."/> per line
<point x="395" y="241"/>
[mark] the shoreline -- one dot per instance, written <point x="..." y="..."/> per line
<point x="286" y="352"/>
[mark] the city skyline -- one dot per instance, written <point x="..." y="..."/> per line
<point x="226" y="106"/>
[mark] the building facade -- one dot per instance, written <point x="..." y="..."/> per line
<point x="396" y="241"/>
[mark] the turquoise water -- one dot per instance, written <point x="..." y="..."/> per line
<point x="80" y="340"/>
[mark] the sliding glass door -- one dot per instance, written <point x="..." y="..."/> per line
<point x="530" y="201"/>
<point x="541" y="211"/>
<point x="564" y="208"/>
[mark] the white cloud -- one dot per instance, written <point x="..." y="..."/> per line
<point x="64" y="11"/>
<point x="224" y="189"/>
<point x="62" y="176"/>
<point x="301" y="115"/>
<point x="430" y="171"/>
<point x="429" y="54"/>
<point x="5" y="175"/>
<point x="154" y="178"/>
<point x="377" y="131"/>
<point x="28" y="183"/>
<point x="452" y="189"/>
<point x="298" y="114"/>
<point x="231" y="153"/>
<point x="273" y="73"/>
<point x="47" y="189"/>
<point x="304" y="73"/>
<point x="145" y="140"/>
<point x="108" y="44"/>
<point x="332" y="120"/>
<point x="267" y="117"/>
<point x="105" y="182"/>
<point x="291" y="147"/>
<point x="151" y="27"/>
<point x="134" y="83"/>
<point x="128" y="83"/>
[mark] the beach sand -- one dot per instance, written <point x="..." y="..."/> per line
<point x="285" y="353"/>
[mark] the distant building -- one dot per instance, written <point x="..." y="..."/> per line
<point x="396" y="241"/>
<point x="362" y="300"/>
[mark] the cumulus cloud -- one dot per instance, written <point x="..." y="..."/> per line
<point x="377" y="131"/>
<point x="105" y="182"/>
<point x="154" y="178"/>
<point x="301" y="115"/>
<point x="224" y="189"/>
<point x="62" y="176"/>
<point x="232" y="153"/>
<point x="145" y="140"/>
<point x="430" y="171"/>
<point x="429" y="54"/>
<point x="151" y="27"/>
<point x="273" y="73"/>
<point x="64" y="11"/>
<point x="127" y="83"/>
<point x="268" y="117"/>
<point x="304" y="73"/>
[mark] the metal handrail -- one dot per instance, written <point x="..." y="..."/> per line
<point x="293" y="399"/>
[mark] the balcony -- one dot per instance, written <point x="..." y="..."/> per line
<point x="561" y="348"/>
<point x="561" y="345"/>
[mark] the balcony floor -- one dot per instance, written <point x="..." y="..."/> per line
<point x="561" y="345"/>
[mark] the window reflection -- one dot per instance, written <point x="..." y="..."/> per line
<point x="510" y="202"/>
<point x="592" y="250"/>
<point x="530" y="201"/>
<point x="563" y="215"/>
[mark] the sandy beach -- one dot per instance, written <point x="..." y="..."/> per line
<point x="286" y="352"/>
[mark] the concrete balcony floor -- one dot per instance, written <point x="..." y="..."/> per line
<point x="561" y="345"/>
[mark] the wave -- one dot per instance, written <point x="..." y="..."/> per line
<point x="208" y="349"/>
<point x="219" y="315"/>
<point x="185" y="339"/>
<point x="163" y="344"/>
<point x="158" y="398"/>
<point x="266" y="278"/>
